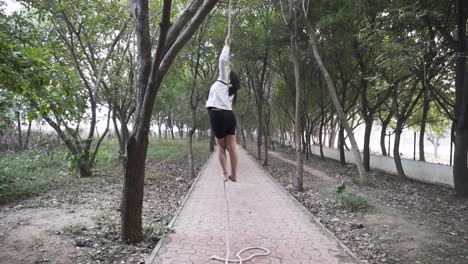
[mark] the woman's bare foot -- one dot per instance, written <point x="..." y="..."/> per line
<point x="232" y="178"/>
<point x="224" y="176"/>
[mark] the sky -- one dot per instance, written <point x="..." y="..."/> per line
<point x="10" y="6"/>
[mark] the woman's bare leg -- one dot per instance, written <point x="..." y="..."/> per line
<point x="231" y="146"/>
<point x="222" y="155"/>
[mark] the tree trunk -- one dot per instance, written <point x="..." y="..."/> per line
<point x="132" y="199"/>
<point x="20" y="137"/>
<point x="341" y="143"/>
<point x="151" y="75"/>
<point x="200" y="134"/>
<point x="117" y="133"/>
<point x="28" y="134"/>
<point x="322" y="121"/>
<point x="369" y="120"/>
<point x="125" y="135"/>
<point x="190" y="153"/>
<point x="181" y="132"/>
<point x="159" y="130"/>
<point x="265" y="149"/>
<point x="297" y="77"/>
<point x="259" y="139"/>
<point x="244" y="144"/>
<point x="460" y="168"/>
<point x="331" y="139"/>
<point x="85" y="167"/>
<point x="422" y="132"/>
<point x="341" y="115"/>
<point x="383" y="132"/>
<point x="122" y="133"/>
<point x="307" y="143"/>
<point x="396" y="151"/>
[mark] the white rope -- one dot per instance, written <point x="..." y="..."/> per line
<point x="229" y="19"/>
<point x="238" y="254"/>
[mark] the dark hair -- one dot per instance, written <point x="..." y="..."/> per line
<point x="234" y="85"/>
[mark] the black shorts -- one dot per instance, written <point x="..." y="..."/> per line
<point x="223" y="122"/>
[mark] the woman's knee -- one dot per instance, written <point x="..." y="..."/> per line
<point x="231" y="147"/>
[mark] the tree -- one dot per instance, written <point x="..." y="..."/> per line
<point x="171" y="40"/>
<point x="332" y="91"/>
<point x="120" y="91"/>
<point x="292" y="30"/>
<point x="456" y="41"/>
<point x="77" y="40"/>
<point x="434" y="135"/>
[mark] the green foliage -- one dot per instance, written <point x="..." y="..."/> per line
<point x="30" y="172"/>
<point x="348" y="199"/>
<point x="107" y="156"/>
<point x="30" y="76"/>
<point x="352" y="201"/>
<point x="172" y="149"/>
<point x="39" y="169"/>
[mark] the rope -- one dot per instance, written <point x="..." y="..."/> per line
<point x="238" y="254"/>
<point x="229" y="19"/>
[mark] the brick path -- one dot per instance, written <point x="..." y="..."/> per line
<point x="262" y="214"/>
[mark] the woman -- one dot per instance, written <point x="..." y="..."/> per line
<point x="219" y="104"/>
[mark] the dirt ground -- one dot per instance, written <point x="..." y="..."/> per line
<point x="406" y="222"/>
<point x="79" y="221"/>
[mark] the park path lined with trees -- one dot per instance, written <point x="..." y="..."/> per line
<point x="312" y="72"/>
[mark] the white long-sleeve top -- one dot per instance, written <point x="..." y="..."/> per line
<point x="219" y="90"/>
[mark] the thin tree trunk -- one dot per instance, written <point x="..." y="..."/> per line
<point x="259" y="138"/>
<point x="331" y="139"/>
<point x="125" y="134"/>
<point x="265" y="149"/>
<point x="292" y="23"/>
<point x="422" y="132"/>
<point x="159" y="127"/>
<point x="341" y="115"/>
<point x="20" y="137"/>
<point x="117" y="133"/>
<point x="190" y="152"/>
<point x="322" y="121"/>
<point x="396" y="151"/>
<point x="369" y="120"/>
<point x="341" y="143"/>
<point x="383" y="133"/>
<point x="28" y="134"/>
<point x="244" y="144"/>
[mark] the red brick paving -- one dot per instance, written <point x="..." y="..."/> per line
<point x="261" y="214"/>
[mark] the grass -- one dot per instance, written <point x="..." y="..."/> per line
<point x="349" y="200"/>
<point x="352" y="201"/>
<point x="31" y="172"/>
<point x="173" y="149"/>
<point x="37" y="170"/>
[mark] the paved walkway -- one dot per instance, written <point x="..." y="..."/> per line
<point x="262" y="214"/>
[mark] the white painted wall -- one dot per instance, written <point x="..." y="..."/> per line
<point x="417" y="170"/>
